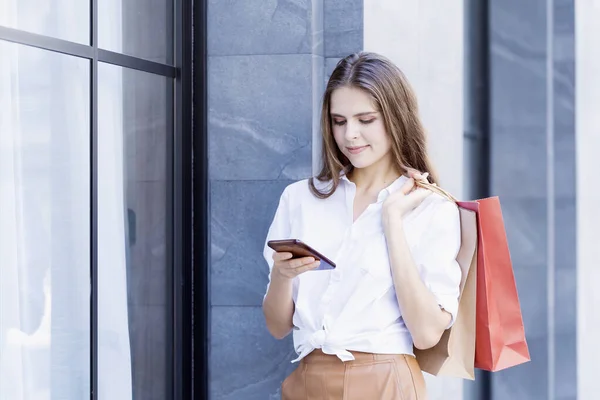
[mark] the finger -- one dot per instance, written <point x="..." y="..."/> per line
<point x="416" y="174"/>
<point x="420" y="194"/>
<point x="308" y="267"/>
<point x="412" y="171"/>
<point x="282" y="256"/>
<point x="408" y="186"/>
<point x="421" y="177"/>
<point x="299" y="262"/>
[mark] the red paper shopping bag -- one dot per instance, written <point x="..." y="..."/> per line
<point x="500" y="335"/>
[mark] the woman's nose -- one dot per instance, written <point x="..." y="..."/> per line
<point x="352" y="130"/>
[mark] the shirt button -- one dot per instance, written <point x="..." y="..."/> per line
<point x="335" y="277"/>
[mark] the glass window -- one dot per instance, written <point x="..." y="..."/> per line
<point x="134" y="273"/>
<point x="139" y="28"/>
<point x="62" y="19"/>
<point x="44" y="224"/>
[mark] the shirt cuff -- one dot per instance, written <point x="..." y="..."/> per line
<point x="450" y="304"/>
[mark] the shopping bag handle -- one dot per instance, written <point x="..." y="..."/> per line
<point x="435" y="188"/>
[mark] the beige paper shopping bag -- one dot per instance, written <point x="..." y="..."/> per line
<point x="454" y="355"/>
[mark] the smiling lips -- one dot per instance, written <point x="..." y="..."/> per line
<point x="356" y="150"/>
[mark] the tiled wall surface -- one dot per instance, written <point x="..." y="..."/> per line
<point x="267" y="65"/>
<point x="268" y="62"/>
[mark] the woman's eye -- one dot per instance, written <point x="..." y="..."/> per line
<point x="339" y="123"/>
<point x="366" y="121"/>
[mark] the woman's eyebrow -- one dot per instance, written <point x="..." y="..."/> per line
<point x="362" y="114"/>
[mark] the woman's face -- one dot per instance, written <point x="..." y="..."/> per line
<point x="358" y="127"/>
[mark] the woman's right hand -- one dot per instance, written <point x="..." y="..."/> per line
<point x="278" y="304"/>
<point x="288" y="268"/>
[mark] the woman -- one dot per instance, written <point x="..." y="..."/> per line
<point x="396" y="283"/>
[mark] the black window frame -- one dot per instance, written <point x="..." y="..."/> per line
<point x="188" y="232"/>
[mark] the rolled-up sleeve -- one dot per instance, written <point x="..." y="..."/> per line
<point x="280" y="229"/>
<point x="437" y="253"/>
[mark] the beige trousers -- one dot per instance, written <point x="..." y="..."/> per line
<point x="369" y="377"/>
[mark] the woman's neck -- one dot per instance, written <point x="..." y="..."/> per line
<point x="373" y="178"/>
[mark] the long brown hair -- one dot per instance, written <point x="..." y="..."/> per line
<point x="394" y="98"/>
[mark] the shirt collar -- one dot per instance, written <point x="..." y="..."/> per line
<point x="391" y="188"/>
<point x="385" y="192"/>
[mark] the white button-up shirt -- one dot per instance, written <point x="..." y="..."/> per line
<point x="354" y="307"/>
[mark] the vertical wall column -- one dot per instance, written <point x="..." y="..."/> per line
<point x="532" y="154"/>
<point x="265" y="73"/>
<point x="343" y="24"/>
<point x="476" y="133"/>
<point x="425" y="39"/>
<point x="587" y="95"/>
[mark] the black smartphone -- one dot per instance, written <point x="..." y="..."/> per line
<point x="300" y="249"/>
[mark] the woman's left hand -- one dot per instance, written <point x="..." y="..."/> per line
<point x="406" y="199"/>
<point x="416" y="175"/>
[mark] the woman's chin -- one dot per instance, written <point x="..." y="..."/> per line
<point x="359" y="164"/>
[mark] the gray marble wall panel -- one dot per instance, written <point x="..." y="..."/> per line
<point x="518" y="175"/>
<point x="265" y="27"/>
<point x="343" y="22"/>
<point x="266" y="73"/>
<point x="526" y="154"/>
<point x="239" y="225"/>
<point x="260" y="133"/>
<point x="260" y="113"/>
<point x="318" y="84"/>
<point x="245" y="364"/>
<point x="475" y="101"/>
<point x="565" y="305"/>
<point x="330" y="64"/>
